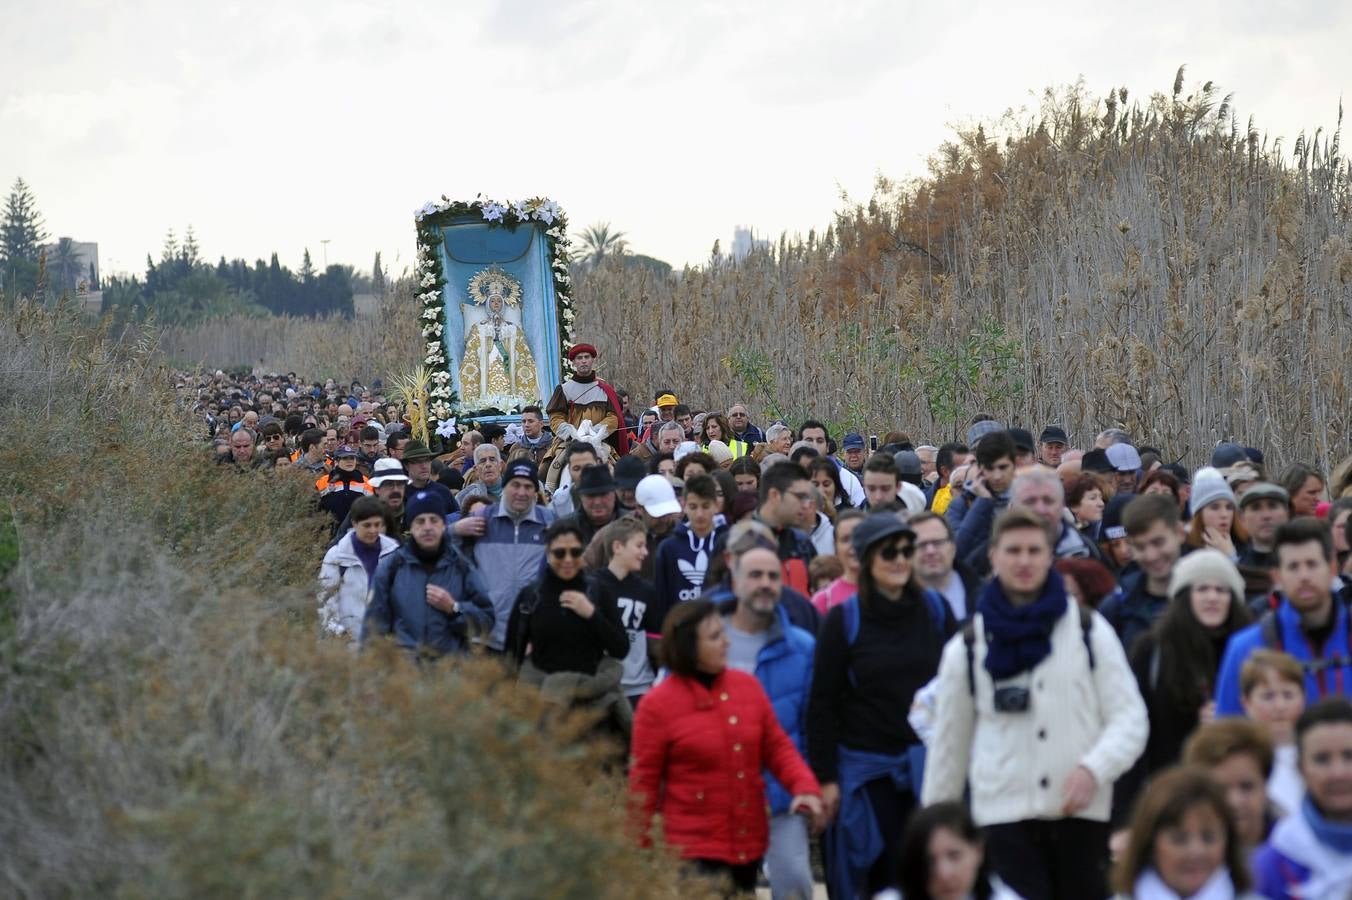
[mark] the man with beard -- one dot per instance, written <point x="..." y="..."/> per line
<point x="586" y="398"/>
<point x="762" y="642"/>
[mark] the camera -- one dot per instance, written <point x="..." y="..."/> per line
<point x="1011" y="699"/>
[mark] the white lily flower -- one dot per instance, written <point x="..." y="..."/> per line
<point x="492" y="211"/>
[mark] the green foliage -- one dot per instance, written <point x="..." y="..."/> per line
<point x="173" y="724"/>
<point x="977" y="372"/>
<point x="21" y="232"/>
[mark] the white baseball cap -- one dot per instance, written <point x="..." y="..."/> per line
<point x="657" y="497"/>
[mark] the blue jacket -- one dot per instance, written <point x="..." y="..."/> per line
<point x="511" y="554"/>
<point x="1325" y="682"/>
<point x="399" y="601"/>
<point x="974" y="534"/>
<point x="681" y="564"/>
<point x="1131" y="611"/>
<point x="784" y="669"/>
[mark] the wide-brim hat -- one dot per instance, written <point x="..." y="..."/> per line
<point x="416" y="451"/>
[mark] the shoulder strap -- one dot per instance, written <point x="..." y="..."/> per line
<point x="938" y="610"/>
<point x="969" y="642"/>
<point x="1155" y="667"/>
<point x="1086" y="624"/>
<point x="1270" y="630"/>
<point x="850" y="610"/>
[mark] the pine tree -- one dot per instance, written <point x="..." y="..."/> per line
<point x="21" y="231"/>
<point x="170" y="251"/>
<point x="377" y="278"/>
<point x="190" y="251"/>
<point x="307" y="268"/>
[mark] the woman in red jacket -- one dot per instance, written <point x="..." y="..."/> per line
<point x="701" y="739"/>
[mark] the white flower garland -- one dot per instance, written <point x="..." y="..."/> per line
<point x="539" y="212"/>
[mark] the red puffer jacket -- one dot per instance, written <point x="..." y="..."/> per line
<point x="697" y="759"/>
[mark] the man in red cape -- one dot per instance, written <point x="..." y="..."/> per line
<point x="584" y="397"/>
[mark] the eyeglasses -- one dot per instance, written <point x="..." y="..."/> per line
<point x="933" y="545"/>
<point x="901" y="548"/>
<point x="566" y="553"/>
<point x="803" y="496"/>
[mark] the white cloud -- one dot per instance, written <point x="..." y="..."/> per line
<point x="273" y="126"/>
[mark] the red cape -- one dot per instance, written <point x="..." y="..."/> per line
<point x="621" y="433"/>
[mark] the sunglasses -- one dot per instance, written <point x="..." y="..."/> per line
<point x="566" y="553"/>
<point x="890" y="554"/>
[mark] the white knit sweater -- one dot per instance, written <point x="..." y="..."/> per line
<point x="1018" y="762"/>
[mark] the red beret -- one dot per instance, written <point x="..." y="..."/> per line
<point x="582" y="348"/>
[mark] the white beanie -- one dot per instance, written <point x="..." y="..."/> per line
<point x="1208" y="486"/>
<point x="1206" y="565"/>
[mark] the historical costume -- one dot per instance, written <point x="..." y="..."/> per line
<point x="584" y="397"/>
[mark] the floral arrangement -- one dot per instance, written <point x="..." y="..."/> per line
<point x="538" y="212"/>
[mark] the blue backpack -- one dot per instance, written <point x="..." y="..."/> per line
<point x="934" y="603"/>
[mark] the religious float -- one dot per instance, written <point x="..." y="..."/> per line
<point x="496" y="303"/>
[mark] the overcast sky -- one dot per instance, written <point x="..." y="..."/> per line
<point x="276" y="125"/>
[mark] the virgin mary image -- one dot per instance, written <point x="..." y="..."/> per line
<point x="497" y="368"/>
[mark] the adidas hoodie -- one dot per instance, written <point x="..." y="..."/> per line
<point x="682" y="562"/>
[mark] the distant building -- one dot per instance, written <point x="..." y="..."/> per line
<point x="87" y="262"/>
<point x="744" y="240"/>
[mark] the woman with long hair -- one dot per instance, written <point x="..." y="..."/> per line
<point x="1176" y="662"/>
<point x="701" y="741"/>
<point x="874" y="651"/>
<point x="943" y="857"/>
<point x="1183" y="844"/>
<point x="825" y="477"/>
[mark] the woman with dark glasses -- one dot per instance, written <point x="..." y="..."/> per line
<point x="555" y="627"/>
<point x="874" y="652"/>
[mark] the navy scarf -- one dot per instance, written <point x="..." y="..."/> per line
<point x="1019" y="637"/>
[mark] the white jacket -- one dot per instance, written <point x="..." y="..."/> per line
<point x="1018" y="762"/>
<point x="343" y="586"/>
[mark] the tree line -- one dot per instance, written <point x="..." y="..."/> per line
<point x="180" y="287"/>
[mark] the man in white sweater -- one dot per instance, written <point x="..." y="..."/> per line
<point x="1038" y="708"/>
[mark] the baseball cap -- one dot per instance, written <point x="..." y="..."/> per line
<point x="1123" y="458"/>
<point x="908" y="462"/>
<point x="521" y="468"/>
<point x="1112" y="517"/>
<point x="1054" y="434"/>
<point x="1096" y="461"/>
<point x="387" y="470"/>
<point x="981" y="429"/>
<point x="657" y="497"/>
<point x="852" y="441"/>
<point x="346" y="451"/>
<point x="666" y="400"/>
<point x="1227" y="454"/>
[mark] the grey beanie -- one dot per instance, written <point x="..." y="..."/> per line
<point x="1208" y="486"/>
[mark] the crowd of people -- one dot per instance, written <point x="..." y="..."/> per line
<point x="1010" y="666"/>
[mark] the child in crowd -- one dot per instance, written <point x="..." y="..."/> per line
<point x="823" y="570"/>
<point x="1273" y="691"/>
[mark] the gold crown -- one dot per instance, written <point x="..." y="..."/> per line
<point x="492" y="282"/>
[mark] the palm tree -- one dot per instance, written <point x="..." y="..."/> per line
<point x="599" y="242"/>
<point x="65" y="266"/>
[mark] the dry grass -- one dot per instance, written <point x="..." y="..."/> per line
<point x="385" y="343"/>
<point x="1102" y="262"/>
<point x="1153" y="267"/>
<point x="172" y="726"/>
